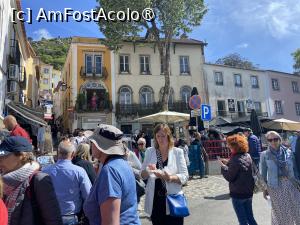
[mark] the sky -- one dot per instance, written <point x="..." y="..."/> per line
<point x="265" y="32"/>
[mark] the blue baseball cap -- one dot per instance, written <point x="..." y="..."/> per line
<point x="15" y="144"/>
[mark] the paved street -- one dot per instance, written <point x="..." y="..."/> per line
<point x="210" y="204"/>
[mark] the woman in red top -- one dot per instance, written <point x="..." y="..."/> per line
<point x="3" y="209"/>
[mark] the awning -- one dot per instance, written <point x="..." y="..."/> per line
<point x="26" y="115"/>
<point x="1" y="122"/>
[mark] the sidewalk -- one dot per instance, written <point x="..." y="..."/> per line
<point x="210" y="204"/>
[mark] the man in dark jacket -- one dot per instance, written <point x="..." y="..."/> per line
<point x="254" y="146"/>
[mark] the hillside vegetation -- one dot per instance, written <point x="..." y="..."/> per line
<point x="52" y="51"/>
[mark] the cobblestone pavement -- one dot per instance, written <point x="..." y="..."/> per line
<point x="210" y="204"/>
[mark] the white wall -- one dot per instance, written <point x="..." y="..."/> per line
<point x="230" y="91"/>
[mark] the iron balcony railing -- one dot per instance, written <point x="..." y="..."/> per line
<point x="93" y="72"/>
<point x="237" y="114"/>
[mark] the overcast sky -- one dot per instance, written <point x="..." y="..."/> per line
<point x="264" y="31"/>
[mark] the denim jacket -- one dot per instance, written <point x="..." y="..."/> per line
<point x="269" y="168"/>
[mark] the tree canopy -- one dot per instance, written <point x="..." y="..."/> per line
<point x="296" y="56"/>
<point x="172" y="19"/>
<point x="235" y="60"/>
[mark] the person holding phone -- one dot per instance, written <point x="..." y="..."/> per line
<point x="238" y="172"/>
<point x="278" y="168"/>
<point x="165" y="168"/>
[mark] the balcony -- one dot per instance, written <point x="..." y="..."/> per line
<point x="93" y="72"/>
<point x="86" y="104"/>
<point x="144" y="110"/>
<point x="236" y="115"/>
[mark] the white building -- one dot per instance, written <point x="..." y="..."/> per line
<point x="139" y="80"/>
<point x="233" y="92"/>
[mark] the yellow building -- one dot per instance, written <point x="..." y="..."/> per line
<point x="86" y="92"/>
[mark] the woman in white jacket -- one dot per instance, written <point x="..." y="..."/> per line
<point x="165" y="168"/>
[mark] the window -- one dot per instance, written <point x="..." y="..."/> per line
<point x="88" y="64"/>
<point x="125" y="96"/>
<point x="146" y="96"/>
<point x="254" y="82"/>
<point x="275" y="84"/>
<point x="237" y="80"/>
<point x="184" y="65"/>
<point x="161" y="66"/>
<point x="145" y="64"/>
<point x="93" y="65"/>
<point x="278" y="107"/>
<point x="185" y="94"/>
<point x="257" y="106"/>
<point x="295" y="87"/>
<point x="98" y="64"/>
<point x="171" y="95"/>
<point x="221" y="108"/>
<point x="46" y="70"/>
<point x="45" y="81"/>
<point x="124" y="63"/>
<point x="218" y="78"/>
<point x="297" y="106"/>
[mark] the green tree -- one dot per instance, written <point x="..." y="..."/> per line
<point x="235" y="60"/>
<point x="296" y="56"/>
<point x="172" y="19"/>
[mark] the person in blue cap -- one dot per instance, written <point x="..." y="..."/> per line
<point x="28" y="194"/>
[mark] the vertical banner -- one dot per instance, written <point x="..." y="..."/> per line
<point x="249" y="105"/>
<point x="231" y="105"/>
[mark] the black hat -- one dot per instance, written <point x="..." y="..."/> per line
<point x="15" y="144"/>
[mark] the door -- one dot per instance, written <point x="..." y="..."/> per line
<point x="241" y="108"/>
<point x="221" y="108"/>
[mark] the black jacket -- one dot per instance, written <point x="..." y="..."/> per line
<point x="87" y="166"/>
<point x="46" y="209"/>
<point x="239" y="176"/>
<point x="297" y="154"/>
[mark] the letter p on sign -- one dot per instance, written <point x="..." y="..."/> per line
<point x="206" y="112"/>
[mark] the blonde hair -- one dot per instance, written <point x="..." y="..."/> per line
<point x="274" y="133"/>
<point x="165" y="128"/>
<point x="83" y="151"/>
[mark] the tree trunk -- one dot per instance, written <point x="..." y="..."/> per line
<point x="164" y="53"/>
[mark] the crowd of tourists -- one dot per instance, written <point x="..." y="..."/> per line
<point x="100" y="179"/>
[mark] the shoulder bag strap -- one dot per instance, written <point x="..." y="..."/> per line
<point x="35" y="209"/>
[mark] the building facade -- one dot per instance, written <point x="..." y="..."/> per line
<point x="233" y="92"/>
<point x="139" y="80"/>
<point x="283" y="95"/>
<point x="87" y="85"/>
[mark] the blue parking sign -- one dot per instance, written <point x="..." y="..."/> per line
<point x="206" y="112"/>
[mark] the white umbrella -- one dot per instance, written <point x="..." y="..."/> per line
<point x="282" y="124"/>
<point x="165" y="117"/>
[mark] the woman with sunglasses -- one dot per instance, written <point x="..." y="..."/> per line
<point x="278" y="168"/>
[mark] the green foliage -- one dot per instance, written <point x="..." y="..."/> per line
<point x="172" y="19"/>
<point x="52" y="51"/>
<point x="296" y="56"/>
<point x="80" y="101"/>
<point x="235" y="60"/>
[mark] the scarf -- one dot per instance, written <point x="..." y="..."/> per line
<point x="280" y="156"/>
<point x="160" y="165"/>
<point x="15" y="185"/>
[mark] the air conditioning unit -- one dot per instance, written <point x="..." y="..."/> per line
<point x="13" y="73"/>
<point x="12" y="87"/>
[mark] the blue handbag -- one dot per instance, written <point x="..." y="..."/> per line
<point x="178" y="205"/>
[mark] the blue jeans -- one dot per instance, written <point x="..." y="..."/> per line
<point x="243" y="210"/>
<point x="196" y="160"/>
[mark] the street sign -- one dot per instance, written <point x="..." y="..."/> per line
<point x="206" y="124"/>
<point x="206" y="112"/>
<point x="195" y="112"/>
<point x="195" y="102"/>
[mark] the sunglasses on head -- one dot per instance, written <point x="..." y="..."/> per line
<point x="140" y="143"/>
<point x="273" y="139"/>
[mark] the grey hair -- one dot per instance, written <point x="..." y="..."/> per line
<point x="274" y="133"/>
<point x="65" y="148"/>
<point x="141" y="140"/>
